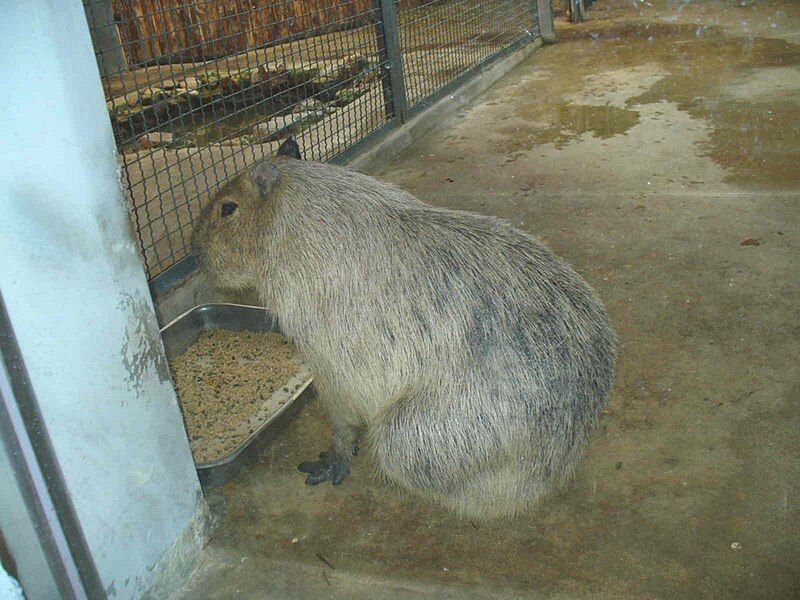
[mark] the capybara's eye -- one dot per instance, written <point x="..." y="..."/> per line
<point x="228" y="208"/>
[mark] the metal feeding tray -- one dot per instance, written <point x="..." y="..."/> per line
<point x="182" y="332"/>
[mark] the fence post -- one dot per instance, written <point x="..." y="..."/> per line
<point x="110" y="55"/>
<point x="388" y="40"/>
<point x="547" y="30"/>
<point x="577" y="11"/>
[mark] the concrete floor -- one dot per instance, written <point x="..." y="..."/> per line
<point x="646" y="148"/>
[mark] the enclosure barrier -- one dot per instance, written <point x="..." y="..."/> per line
<point x="197" y="90"/>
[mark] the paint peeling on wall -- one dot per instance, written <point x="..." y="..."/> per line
<point x="142" y="349"/>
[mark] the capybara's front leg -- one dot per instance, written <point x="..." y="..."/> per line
<point x="334" y="464"/>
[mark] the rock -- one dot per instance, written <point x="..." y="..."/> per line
<point x="321" y="74"/>
<point x="190" y="83"/>
<point x="120" y="112"/>
<point x="351" y="67"/>
<point x="209" y="84"/>
<point x="237" y="141"/>
<point x="182" y="96"/>
<point x="155" y="139"/>
<point x="333" y="72"/>
<point x="260" y="74"/>
<point x="129" y="100"/>
<point x="346" y="95"/>
<point x="270" y="75"/>
<point x="132" y="99"/>
<point x="293" y="73"/>
<point x="309" y="104"/>
<point x="240" y="79"/>
<point x="152" y="96"/>
<point x="272" y="129"/>
<point x="225" y="82"/>
<point x="285" y="125"/>
<point x="255" y="76"/>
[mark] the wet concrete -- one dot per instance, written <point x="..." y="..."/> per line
<point x="645" y="153"/>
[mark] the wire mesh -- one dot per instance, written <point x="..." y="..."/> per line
<point x="197" y="90"/>
<point x="441" y="40"/>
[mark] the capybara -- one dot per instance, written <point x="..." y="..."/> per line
<point x="472" y="360"/>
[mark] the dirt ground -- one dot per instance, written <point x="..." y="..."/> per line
<point x="656" y="150"/>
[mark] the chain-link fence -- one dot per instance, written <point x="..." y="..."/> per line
<point x="442" y="40"/>
<point x="197" y="90"/>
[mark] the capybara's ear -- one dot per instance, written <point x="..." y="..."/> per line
<point x="291" y="149"/>
<point x="265" y="177"/>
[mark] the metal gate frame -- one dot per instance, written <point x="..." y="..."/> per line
<point x="387" y="30"/>
<point x="26" y="442"/>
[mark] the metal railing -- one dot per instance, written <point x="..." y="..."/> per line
<point x="199" y="89"/>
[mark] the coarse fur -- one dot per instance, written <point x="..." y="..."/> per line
<point x="475" y="360"/>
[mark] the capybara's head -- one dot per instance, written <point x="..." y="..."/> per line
<point x="228" y="238"/>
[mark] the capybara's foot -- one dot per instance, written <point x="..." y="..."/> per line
<point x="329" y="467"/>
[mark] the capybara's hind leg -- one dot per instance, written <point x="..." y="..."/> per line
<point x="430" y="449"/>
<point x="464" y="462"/>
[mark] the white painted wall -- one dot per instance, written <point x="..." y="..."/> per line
<point x="9" y="587"/>
<point x="78" y="299"/>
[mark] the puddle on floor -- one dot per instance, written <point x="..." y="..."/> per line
<point x="558" y="124"/>
<point x="702" y="71"/>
